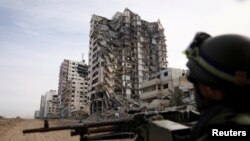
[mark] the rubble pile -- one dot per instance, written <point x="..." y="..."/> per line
<point x="128" y="105"/>
<point x="159" y="104"/>
<point x="107" y="115"/>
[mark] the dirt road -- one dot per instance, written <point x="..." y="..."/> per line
<point x="11" y="130"/>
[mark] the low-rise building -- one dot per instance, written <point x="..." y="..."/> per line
<point x="166" y="83"/>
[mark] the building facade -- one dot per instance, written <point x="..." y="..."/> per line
<point x="42" y="106"/>
<point x="123" y="52"/>
<point x="37" y="114"/>
<point x="168" y="82"/>
<point x="49" y="105"/>
<point x="72" y="89"/>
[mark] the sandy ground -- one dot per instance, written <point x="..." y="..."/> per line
<point x="11" y="130"/>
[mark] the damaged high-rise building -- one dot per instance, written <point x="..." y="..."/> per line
<point x="72" y="89"/>
<point x="123" y="52"/>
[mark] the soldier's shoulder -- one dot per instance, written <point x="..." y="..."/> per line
<point x="231" y="117"/>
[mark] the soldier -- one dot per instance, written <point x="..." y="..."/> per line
<point x="220" y="71"/>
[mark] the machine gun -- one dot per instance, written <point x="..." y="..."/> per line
<point x="146" y="126"/>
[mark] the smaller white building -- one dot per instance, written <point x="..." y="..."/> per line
<point x="166" y="83"/>
<point x="49" y="107"/>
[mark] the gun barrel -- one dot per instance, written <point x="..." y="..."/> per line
<point x="85" y="125"/>
<point x="105" y="123"/>
<point x="110" y="136"/>
<point x="110" y="128"/>
<point x="47" y="129"/>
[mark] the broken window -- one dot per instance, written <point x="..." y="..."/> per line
<point x="165" y="86"/>
<point x="159" y="87"/>
<point x="165" y="73"/>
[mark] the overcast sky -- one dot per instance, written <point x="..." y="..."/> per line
<point x="36" y="35"/>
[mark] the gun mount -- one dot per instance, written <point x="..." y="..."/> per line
<point x="147" y="126"/>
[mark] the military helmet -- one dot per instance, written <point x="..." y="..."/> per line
<point x="221" y="61"/>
